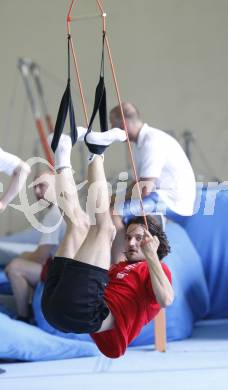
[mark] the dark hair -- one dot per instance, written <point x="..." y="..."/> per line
<point x="156" y="230"/>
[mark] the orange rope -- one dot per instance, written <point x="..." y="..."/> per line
<point x="126" y="131"/>
<point x="76" y="63"/>
<point x="103" y="15"/>
<point x="79" y="81"/>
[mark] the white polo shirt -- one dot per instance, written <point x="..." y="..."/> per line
<point x="54" y="238"/>
<point x="160" y="156"/>
<point x="8" y="162"/>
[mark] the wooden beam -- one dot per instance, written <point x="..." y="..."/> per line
<point x="160" y="331"/>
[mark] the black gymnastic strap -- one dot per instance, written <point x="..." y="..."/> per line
<point x="66" y="106"/>
<point x="100" y="103"/>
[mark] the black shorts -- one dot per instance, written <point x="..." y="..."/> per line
<point x="73" y="296"/>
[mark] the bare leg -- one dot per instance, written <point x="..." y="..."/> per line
<point x="67" y="199"/>
<point x="23" y="275"/>
<point x="75" y="218"/>
<point x="96" y="249"/>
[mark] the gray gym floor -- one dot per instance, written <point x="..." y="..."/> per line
<point x="198" y="363"/>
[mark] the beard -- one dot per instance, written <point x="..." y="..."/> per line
<point x="133" y="256"/>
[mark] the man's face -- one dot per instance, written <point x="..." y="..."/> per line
<point x="43" y="187"/>
<point x="40" y="190"/>
<point x="133" y="240"/>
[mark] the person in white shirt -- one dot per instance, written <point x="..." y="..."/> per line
<point x="13" y="166"/>
<point x="24" y="271"/>
<point x="166" y="178"/>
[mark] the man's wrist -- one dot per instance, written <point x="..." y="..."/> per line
<point x="152" y="258"/>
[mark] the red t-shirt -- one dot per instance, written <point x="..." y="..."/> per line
<point x="132" y="302"/>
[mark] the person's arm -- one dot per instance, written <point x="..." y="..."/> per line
<point x="150" y="164"/>
<point x="19" y="177"/>
<point x="161" y="286"/>
<point x="146" y="185"/>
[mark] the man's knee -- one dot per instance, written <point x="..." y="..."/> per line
<point x="14" y="267"/>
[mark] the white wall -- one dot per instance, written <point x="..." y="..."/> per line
<point x="171" y="61"/>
